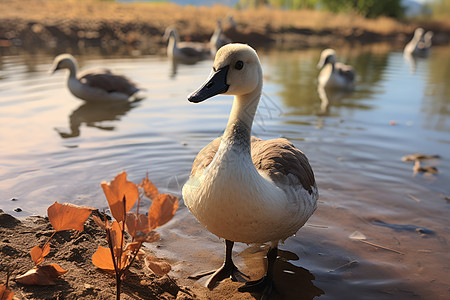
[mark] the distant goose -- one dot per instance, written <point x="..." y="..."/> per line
<point x="241" y="188"/>
<point x="218" y="39"/>
<point x="186" y="52"/>
<point x="95" y="85"/>
<point x="420" y="44"/>
<point x="335" y="74"/>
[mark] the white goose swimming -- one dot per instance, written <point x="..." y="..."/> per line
<point x="185" y="52"/>
<point x="335" y="74"/>
<point x="218" y="39"/>
<point x="420" y="44"/>
<point x="241" y="188"/>
<point x="96" y="85"/>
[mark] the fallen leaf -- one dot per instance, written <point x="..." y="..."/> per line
<point x="101" y="223"/>
<point x="5" y="294"/>
<point x="68" y="216"/>
<point x="150" y="189"/>
<point x="162" y="210"/>
<point x="41" y="275"/>
<point x="118" y="190"/>
<point x="38" y="253"/>
<point x="157" y="265"/>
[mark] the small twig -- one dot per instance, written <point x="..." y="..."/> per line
<point x="317" y="226"/>
<point x="414" y="198"/>
<point x="382" y="247"/>
<point x="133" y="258"/>
<point x="48" y="240"/>
<point x="349" y="264"/>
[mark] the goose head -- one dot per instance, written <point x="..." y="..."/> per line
<point x="418" y="33"/>
<point x="428" y="36"/>
<point x="236" y="71"/>
<point x="64" y="61"/>
<point x="328" y="56"/>
<point x="170" y="32"/>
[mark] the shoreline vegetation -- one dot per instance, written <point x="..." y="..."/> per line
<point x="71" y="24"/>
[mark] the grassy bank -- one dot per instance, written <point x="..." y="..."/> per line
<point x="68" y="22"/>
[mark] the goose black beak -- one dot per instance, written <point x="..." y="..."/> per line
<point x="214" y="85"/>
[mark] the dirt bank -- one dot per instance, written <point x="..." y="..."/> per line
<point x="73" y="251"/>
<point x="77" y="24"/>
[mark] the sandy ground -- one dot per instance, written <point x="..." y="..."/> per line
<point x="72" y="250"/>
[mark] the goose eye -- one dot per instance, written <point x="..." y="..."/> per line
<point x="239" y="65"/>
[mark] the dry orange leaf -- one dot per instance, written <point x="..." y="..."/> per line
<point x="157" y="265"/>
<point x="5" y="294"/>
<point x="138" y="227"/>
<point x="68" y="216"/>
<point x="115" y="191"/>
<point x="150" y="189"/>
<point x="100" y="222"/>
<point x="41" y="275"/>
<point x="38" y="253"/>
<point x="102" y="259"/>
<point x="116" y="235"/>
<point x="162" y="210"/>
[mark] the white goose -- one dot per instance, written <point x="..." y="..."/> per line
<point x="218" y="39"/>
<point x="241" y="188"/>
<point x="420" y="44"/>
<point x="96" y="85"/>
<point x="335" y="74"/>
<point x="185" y="52"/>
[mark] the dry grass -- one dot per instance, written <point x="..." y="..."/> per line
<point x="161" y="15"/>
<point x="198" y="23"/>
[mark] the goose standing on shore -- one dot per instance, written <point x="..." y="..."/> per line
<point x="335" y="74"/>
<point x="95" y="85"/>
<point x="242" y="188"/>
<point x="185" y="52"/>
<point x="218" y="39"/>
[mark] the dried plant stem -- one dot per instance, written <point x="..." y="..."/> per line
<point x="382" y="247"/>
<point x="113" y="257"/>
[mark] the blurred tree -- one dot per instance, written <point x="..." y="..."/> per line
<point x="440" y="8"/>
<point x="294" y="4"/>
<point x="367" y="8"/>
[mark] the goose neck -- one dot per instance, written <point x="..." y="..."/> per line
<point x="72" y="70"/>
<point x="172" y="41"/>
<point x="239" y="126"/>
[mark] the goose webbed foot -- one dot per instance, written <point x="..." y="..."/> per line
<point x="265" y="284"/>
<point x="228" y="269"/>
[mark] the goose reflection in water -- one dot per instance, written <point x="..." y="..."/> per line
<point x="330" y="96"/>
<point x="93" y="114"/>
<point x="290" y="282"/>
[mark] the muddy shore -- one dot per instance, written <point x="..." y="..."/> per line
<point x="73" y="250"/>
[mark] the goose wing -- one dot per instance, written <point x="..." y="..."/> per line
<point x="104" y="79"/>
<point x="283" y="163"/>
<point x="278" y="158"/>
<point x="205" y="156"/>
<point x="345" y="71"/>
<point x="191" y="49"/>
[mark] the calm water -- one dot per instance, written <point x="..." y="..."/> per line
<point x="56" y="148"/>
